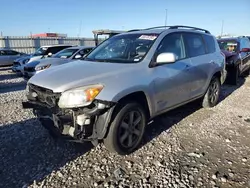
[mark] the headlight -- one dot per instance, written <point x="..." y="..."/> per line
<point x="42" y="67"/>
<point x="26" y="61"/>
<point x="79" y="97"/>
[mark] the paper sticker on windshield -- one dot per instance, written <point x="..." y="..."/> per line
<point x="147" y="37"/>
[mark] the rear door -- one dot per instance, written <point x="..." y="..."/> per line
<point x="201" y="63"/>
<point x="4" y="58"/>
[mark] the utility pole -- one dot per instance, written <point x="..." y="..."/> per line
<point x="222" y="27"/>
<point x="166" y="17"/>
<point x="80" y="29"/>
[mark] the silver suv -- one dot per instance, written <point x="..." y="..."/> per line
<point x="126" y="81"/>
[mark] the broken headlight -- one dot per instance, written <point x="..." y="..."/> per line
<point x="79" y="97"/>
<point x="42" y="67"/>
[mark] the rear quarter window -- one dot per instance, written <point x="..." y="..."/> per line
<point x="210" y="43"/>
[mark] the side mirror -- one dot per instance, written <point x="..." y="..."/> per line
<point x="245" y="50"/>
<point x="78" y="56"/>
<point x="165" y="58"/>
<point x="50" y="54"/>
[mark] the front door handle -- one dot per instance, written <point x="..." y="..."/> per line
<point x="187" y="67"/>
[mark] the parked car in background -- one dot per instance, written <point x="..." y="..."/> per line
<point x="62" y="57"/>
<point x="237" y="52"/>
<point x="8" y="56"/>
<point x="125" y="81"/>
<point x="41" y="53"/>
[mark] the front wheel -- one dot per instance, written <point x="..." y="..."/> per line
<point x="212" y="95"/>
<point x="127" y="129"/>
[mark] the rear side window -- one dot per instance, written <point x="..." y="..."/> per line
<point x="54" y="50"/>
<point x="194" y="44"/>
<point x="209" y="40"/>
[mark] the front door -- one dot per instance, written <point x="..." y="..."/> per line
<point x="172" y="81"/>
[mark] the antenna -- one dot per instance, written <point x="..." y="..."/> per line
<point x="80" y="29"/>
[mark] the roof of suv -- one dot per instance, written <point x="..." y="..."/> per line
<point x="232" y="38"/>
<point x="160" y="29"/>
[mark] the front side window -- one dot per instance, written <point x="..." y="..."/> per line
<point x="172" y="43"/>
<point x="209" y="40"/>
<point x="11" y="52"/>
<point x="3" y="52"/>
<point x="41" y="51"/>
<point x="128" y="48"/>
<point x="194" y="44"/>
<point x="66" y="53"/>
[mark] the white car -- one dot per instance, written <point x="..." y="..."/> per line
<point x="42" y="52"/>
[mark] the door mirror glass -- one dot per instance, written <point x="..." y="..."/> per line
<point x="50" y="54"/>
<point x="78" y="56"/>
<point x="164" y="58"/>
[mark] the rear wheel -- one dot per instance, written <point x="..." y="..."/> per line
<point x="127" y="129"/>
<point x="212" y="95"/>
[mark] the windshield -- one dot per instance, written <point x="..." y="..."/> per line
<point x="40" y="51"/>
<point x="67" y="53"/>
<point x="228" y="45"/>
<point x="129" y="48"/>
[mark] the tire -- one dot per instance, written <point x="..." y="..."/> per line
<point x="211" y="97"/>
<point x="234" y="76"/>
<point x="123" y="136"/>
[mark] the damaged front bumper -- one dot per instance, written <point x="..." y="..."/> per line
<point x="88" y="123"/>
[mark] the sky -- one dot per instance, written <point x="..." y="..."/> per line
<point x="80" y="17"/>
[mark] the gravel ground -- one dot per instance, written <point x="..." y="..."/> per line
<point x="187" y="147"/>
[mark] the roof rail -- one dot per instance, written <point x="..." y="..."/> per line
<point x="178" y="27"/>
<point x="134" y="30"/>
<point x="189" y="27"/>
<point x="158" y="27"/>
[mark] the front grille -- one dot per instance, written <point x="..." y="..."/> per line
<point x="29" y="69"/>
<point x="44" y="95"/>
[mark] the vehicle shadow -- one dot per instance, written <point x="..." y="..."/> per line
<point x="227" y="89"/>
<point x="165" y="121"/>
<point x="5" y="68"/>
<point x="9" y="76"/>
<point x="10" y="87"/>
<point x="28" y="153"/>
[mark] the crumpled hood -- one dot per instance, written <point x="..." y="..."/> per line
<point x="53" y="61"/>
<point x="32" y="64"/>
<point x="23" y="58"/>
<point x="80" y="73"/>
<point x="228" y="54"/>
